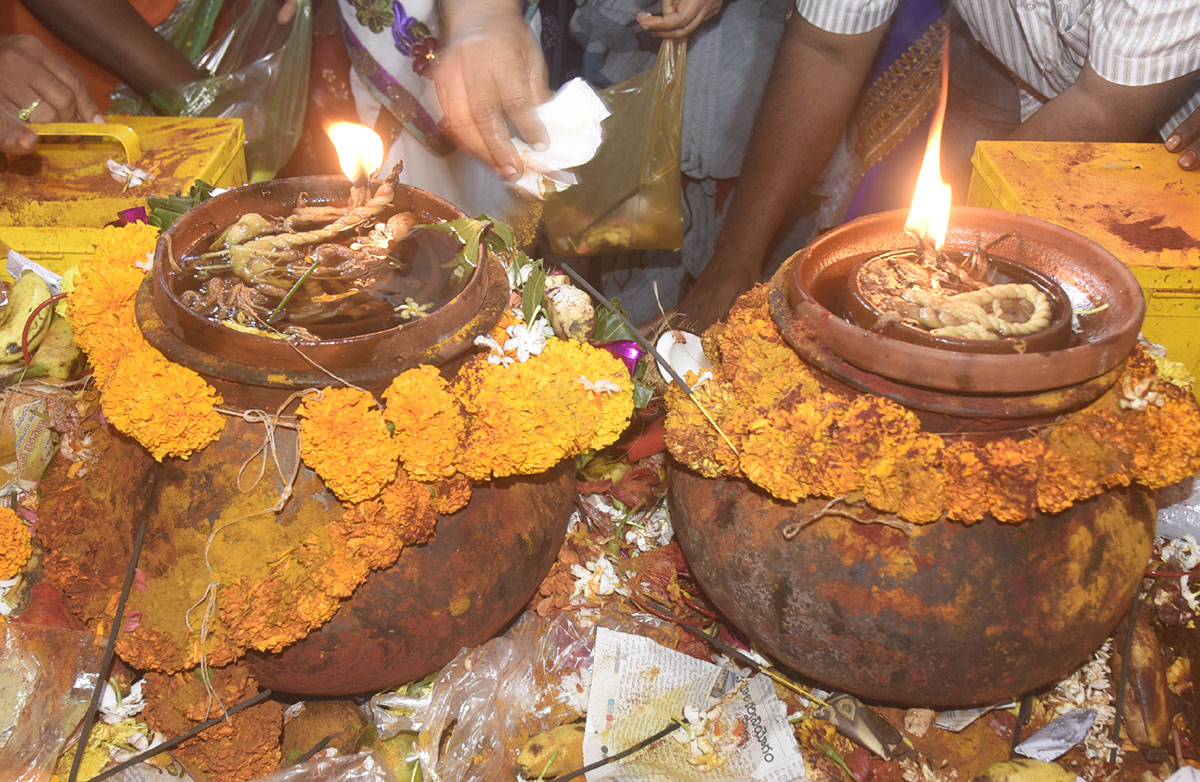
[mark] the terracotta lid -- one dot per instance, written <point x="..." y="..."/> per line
<point x="1091" y="278"/>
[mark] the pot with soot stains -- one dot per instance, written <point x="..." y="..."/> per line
<point x="406" y="620"/>
<point x="938" y="612"/>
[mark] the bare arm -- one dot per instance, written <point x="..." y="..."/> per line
<point x="112" y="34"/>
<point x="812" y="90"/>
<point x="490" y="69"/>
<point x="1095" y="109"/>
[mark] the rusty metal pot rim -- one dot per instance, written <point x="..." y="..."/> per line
<point x="336" y="354"/>
<point x="1097" y="274"/>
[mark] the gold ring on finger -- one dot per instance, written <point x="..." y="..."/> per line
<point x="25" y="113"/>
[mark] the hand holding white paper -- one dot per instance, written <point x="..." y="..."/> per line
<point x="572" y="119"/>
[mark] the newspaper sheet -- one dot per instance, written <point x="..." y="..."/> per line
<point x="640" y="687"/>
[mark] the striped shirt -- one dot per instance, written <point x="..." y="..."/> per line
<point x="1045" y="43"/>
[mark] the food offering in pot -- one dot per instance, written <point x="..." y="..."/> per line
<point x="324" y="270"/>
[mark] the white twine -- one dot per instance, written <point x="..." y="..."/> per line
<point x="269" y="450"/>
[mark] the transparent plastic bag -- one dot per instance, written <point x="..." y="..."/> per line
<point x="47" y="675"/>
<point x="492" y="697"/>
<point x="628" y="196"/>
<point x="259" y="75"/>
<point x="360" y="767"/>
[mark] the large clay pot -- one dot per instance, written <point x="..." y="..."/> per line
<point x="947" y="615"/>
<point x="944" y="614"/>
<point x="484" y="562"/>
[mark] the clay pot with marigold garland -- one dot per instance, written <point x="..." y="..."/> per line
<point x="355" y="542"/>
<point x="910" y="556"/>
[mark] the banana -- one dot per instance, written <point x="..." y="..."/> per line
<point x="1147" y="710"/>
<point x="27" y="293"/>
<point x="58" y="359"/>
<point x="1025" y="770"/>
<point x="552" y="753"/>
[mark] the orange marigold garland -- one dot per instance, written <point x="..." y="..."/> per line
<point x="15" y="543"/>
<point x="529" y="416"/>
<point x="430" y="423"/>
<point x="798" y="440"/>
<point x="395" y="469"/>
<point x="345" y="439"/>
<point x="174" y="418"/>
<point x="166" y="407"/>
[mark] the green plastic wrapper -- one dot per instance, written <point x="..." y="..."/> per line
<point x="259" y="75"/>
<point x="628" y="196"/>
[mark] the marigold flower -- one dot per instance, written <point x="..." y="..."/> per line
<point x="15" y="544"/>
<point x="529" y="416"/>
<point x="100" y="311"/>
<point x="452" y="494"/>
<point x="430" y="425"/>
<point x="967" y="482"/>
<point x="127" y="245"/>
<point x="797" y="439"/>
<point x="166" y="407"/>
<point x="344" y="439"/>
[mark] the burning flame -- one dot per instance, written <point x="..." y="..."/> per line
<point x="929" y="216"/>
<point x="359" y="150"/>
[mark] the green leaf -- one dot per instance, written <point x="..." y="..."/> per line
<point x="500" y="228"/>
<point x="609" y="326"/>
<point x="165" y="210"/>
<point x="531" y="296"/>
<point x="642" y="394"/>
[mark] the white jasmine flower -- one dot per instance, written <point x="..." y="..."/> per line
<point x="574" y="689"/>
<point x="526" y="339"/>
<point x="138" y="743"/>
<point x="1182" y="552"/>
<point x="496" y="354"/>
<point x="1089" y="688"/>
<point x="1191" y="598"/>
<point x="651" y="531"/>
<point x="147" y="264"/>
<point x="114" y="708"/>
<point x="6" y="585"/>
<point x="601" y="386"/>
<point x="517" y="277"/>
<point x="128" y="175"/>
<point x="598" y="579"/>
<point x="411" y="310"/>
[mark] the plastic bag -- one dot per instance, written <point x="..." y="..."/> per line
<point x="259" y="74"/>
<point x="628" y="196"/>
<point x="490" y="698"/>
<point x="362" y="767"/>
<point x="46" y="680"/>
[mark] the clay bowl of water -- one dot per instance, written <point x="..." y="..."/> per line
<point x="363" y="345"/>
<point x="1093" y="293"/>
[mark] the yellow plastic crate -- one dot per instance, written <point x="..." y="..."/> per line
<point x="1132" y="199"/>
<point x="54" y="203"/>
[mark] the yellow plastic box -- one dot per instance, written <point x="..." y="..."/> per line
<point x="1132" y="199"/>
<point x="54" y="203"/>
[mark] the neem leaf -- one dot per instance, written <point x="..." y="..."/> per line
<point x="642" y="394"/>
<point x="531" y="296"/>
<point x="609" y="326"/>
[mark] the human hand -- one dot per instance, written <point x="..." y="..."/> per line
<point x="1185" y="140"/>
<point x="491" y="68"/>
<point x="710" y="297"/>
<point x="680" y="18"/>
<point x="36" y="85"/>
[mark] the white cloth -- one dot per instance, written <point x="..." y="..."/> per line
<point x="1045" y="43"/>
